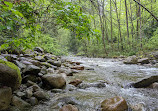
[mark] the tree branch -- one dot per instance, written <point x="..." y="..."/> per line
<point x="147" y="10"/>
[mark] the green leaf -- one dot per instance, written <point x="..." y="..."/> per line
<point x="1" y="19"/>
<point x="10" y="5"/>
<point x="17" y="13"/>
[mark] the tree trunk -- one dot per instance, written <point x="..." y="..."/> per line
<point x="127" y="23"/>
<point x="118" y="20"/>
<point x="111" y="24"/>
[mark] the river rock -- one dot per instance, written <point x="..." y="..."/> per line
<point x="32" y="78"/>
<point x="5" y="98"/>
<point x="29" y="92"/>
<point x="46" y="64"/>
<point x="155" y="54"/>
<point x="10" y="57"/>
<point x="36" y="88"/>
<point x="40" y="58"/>
<point x="154" y="85"/>
<point x="70" y="87"/>
<point x="9" y="75"/>
<point x="35" y="62"/>
<point x="114" y="104"/>
<point x="26" y="62"/>
<point x="76" y="63"/>
<point x="78" y="67"/>
<point x="49" y="56"/>
<point x="20" y="104"/>
<point x="54" y="80"/>
<point x="145" y="82"/>
<point x="21" y="94"/>
<point x="55" y="63"/>
<point x="50" y="70"/>
<point x="29" y="55"/>
<point x="44" y="70"/>
<point x="31" y="69"/>
<point x="33" y="101"/>
<point x="67" y="71"/>
<point x="131" y="60"/>
<point x="20" y="65"/>
<point x="38" y="49"/>
<point x="143" y="61"/>
<point x="75" y="82"/>
<point x="40" y="95"/>
<point x="69" y="107"/>
<point x="3" y="58"/>
<point x="87" y="85"/>
<point x="57" y="91"/>
<point x="68" y="100"/>
<point x="138" y="107"/>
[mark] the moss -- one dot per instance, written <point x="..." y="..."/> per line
<point x="13" y="66"/>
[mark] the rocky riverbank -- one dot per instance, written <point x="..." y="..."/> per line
<point x="150" y="59"/>
<point x="28" y="78"/>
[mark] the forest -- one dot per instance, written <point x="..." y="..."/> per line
<point x="93" y="28"/>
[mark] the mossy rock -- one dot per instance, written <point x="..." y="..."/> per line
<point x="9" y="75"/>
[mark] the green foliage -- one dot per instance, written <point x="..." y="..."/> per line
<point x="153" y="42"/>
<point x="81" y="27"/>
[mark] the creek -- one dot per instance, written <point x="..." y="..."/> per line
<point x="115" y="76"/>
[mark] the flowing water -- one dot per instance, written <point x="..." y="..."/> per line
<point x="116" y="75"/>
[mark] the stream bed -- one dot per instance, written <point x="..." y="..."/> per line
<point x="115" y="75"/>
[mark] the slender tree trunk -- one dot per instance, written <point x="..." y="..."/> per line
<point x="137" y="12"/>
<point x="132" y="29"/>
<point x="118" y="20"/>
<point x="102" y="27"/>
<point x="121" y="38"/>
<point x="140" y="31"/>
<point x="111" y="24"/>
<point x="127" y="23"/>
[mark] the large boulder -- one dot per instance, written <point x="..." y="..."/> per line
<point x="54" y="80"/>
<point x="131" y="60"/>
<point x="5" y="98"/>
<point x="9" y="75"/>
<point x="143" y="61"/>
<point x="145" y="82"/>
<point x="114" y="104"/>
<point x="69" y="107"/>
